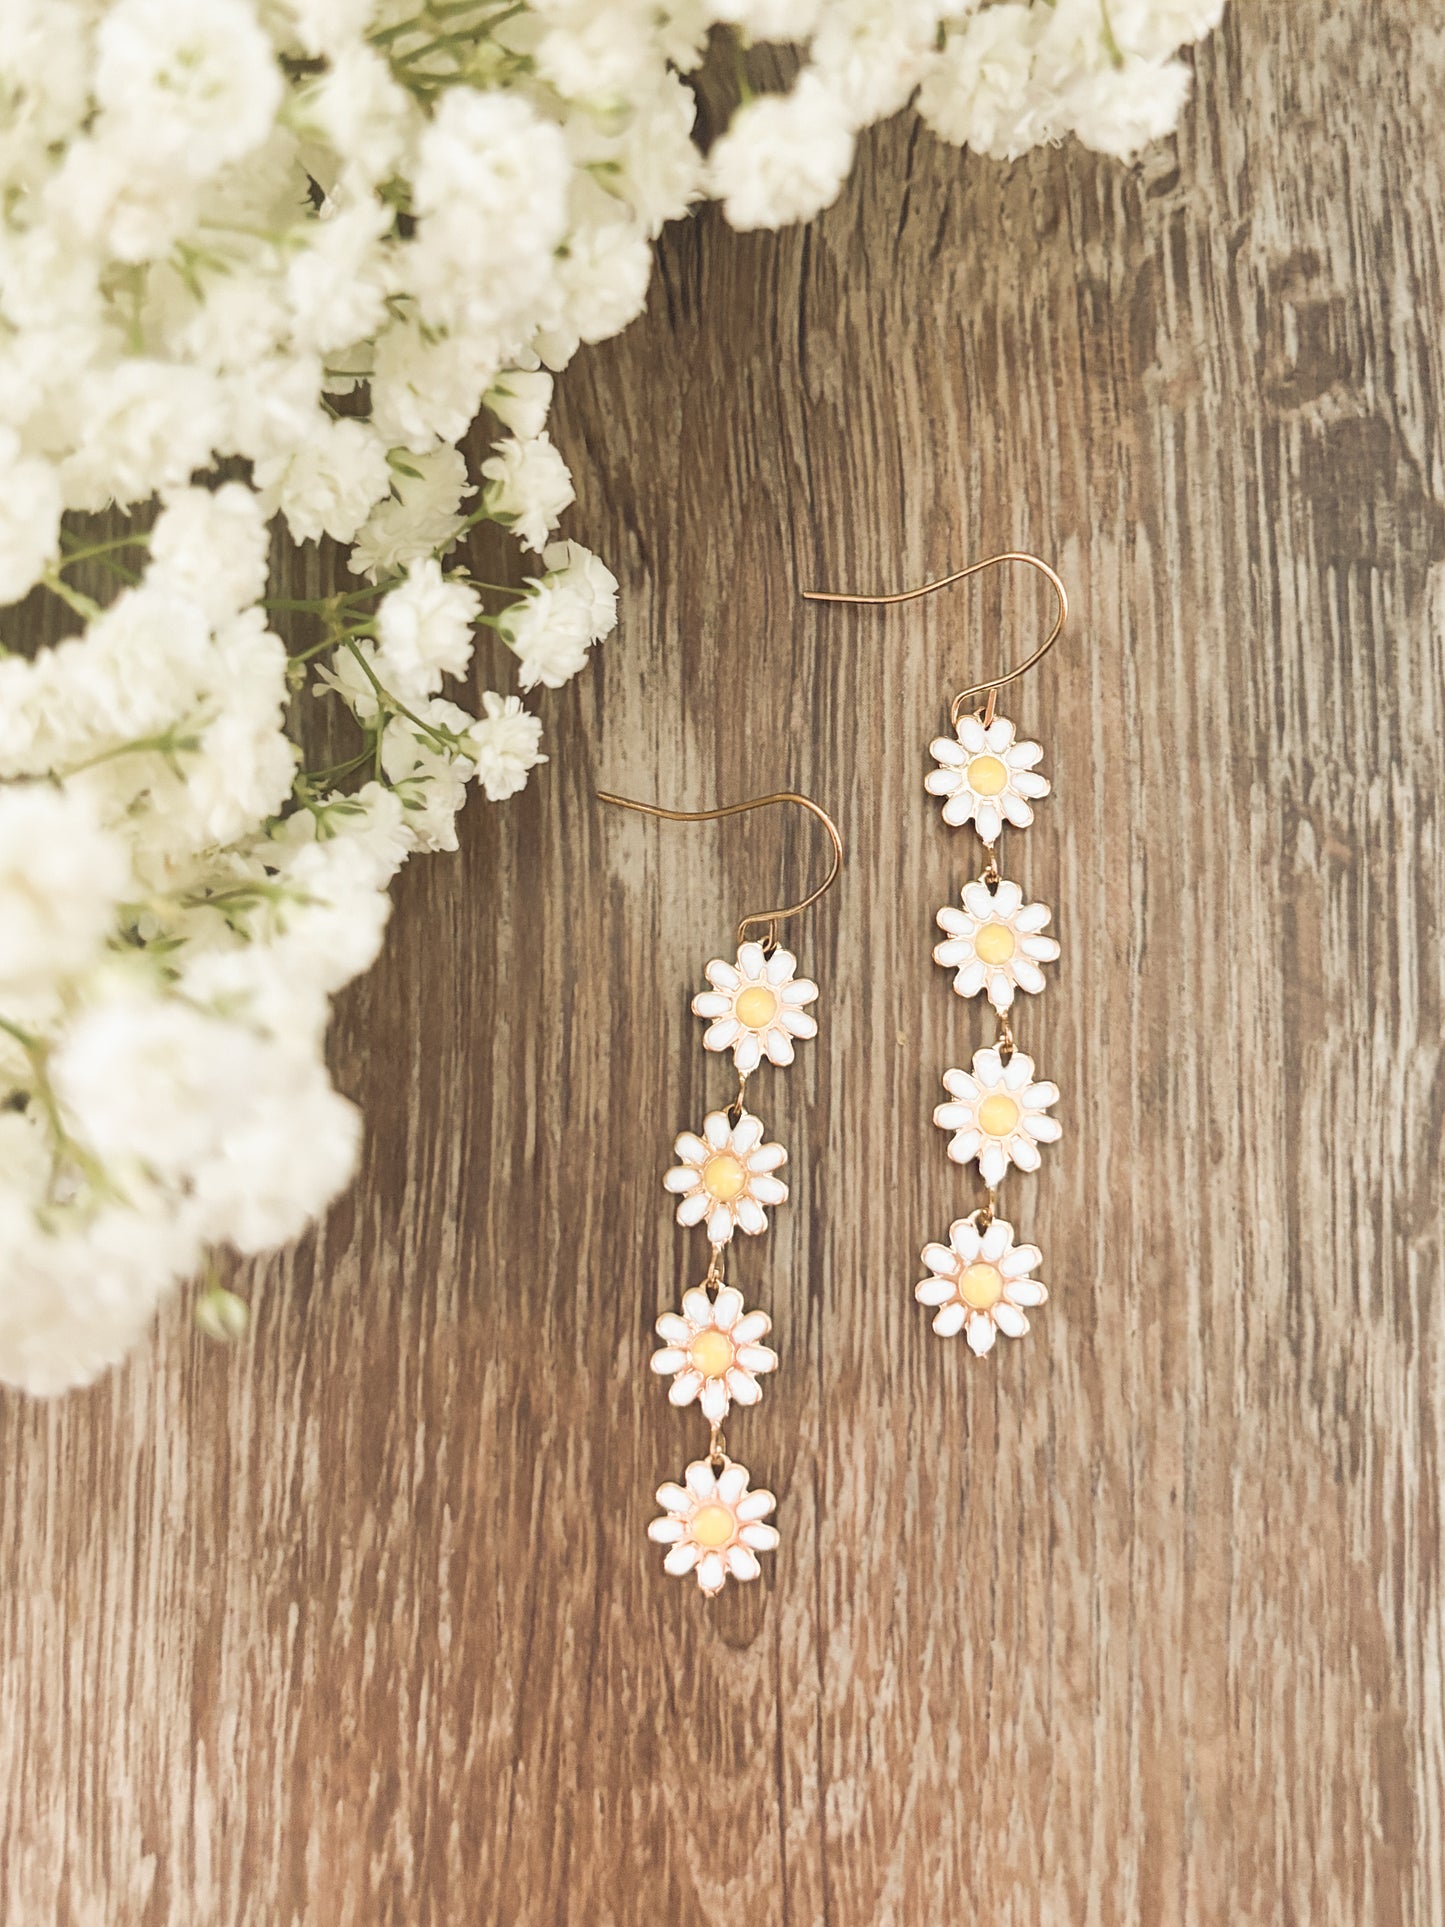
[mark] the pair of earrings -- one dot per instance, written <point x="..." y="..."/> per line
<point x="981" y="1282"/>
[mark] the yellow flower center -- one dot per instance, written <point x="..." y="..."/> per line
<point x="994" y="944"/>
<point x="712" y="1525"/>
<point x="724" y="1177"/>
<point x="998" y="1114"/>
<point x="756" y="1007"/>
<point x="981" y="1286"/>
<point x="712" y="1353"/>
<point x="987" y="776"/>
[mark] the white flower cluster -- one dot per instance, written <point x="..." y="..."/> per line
<point x="268" y="259"/>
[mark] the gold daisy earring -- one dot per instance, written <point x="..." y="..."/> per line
<point x="714" y="1524"/>
<point x="981" y="1282"/>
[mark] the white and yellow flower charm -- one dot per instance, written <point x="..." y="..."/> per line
<point x="994" y="943"/>
<point x="985" y="777"/>
<point x="712" y="1352"/>
<point x="755" y="1007"/>
<point x="981" y="1282"/>
<point x="997" y="1114"/>
<point x="724" y="1178"/>
<point x="713" y="1526"/>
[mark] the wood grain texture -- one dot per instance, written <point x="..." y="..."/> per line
<point x="1138" y="1621"/>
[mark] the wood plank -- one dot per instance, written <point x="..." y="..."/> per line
<point x="1138" y="1620"/>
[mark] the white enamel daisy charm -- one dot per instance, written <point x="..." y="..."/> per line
<point x="713" y="1526"/>
<point x="980" y="1282"/>
<point x="712" y="1352"/>
<point x="755" y="1007"/>
<point x="985" y="777"/>
<point x="997" y="1114"/>
<point x="994" y="943"/>
<point x="725" y="1177"/>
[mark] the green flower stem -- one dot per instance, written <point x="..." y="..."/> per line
<point x="72" y="598"/>
<point x="93" y="549"/>
<point x="444" y="738"/>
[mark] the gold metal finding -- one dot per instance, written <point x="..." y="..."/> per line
<point x="769" y="919"/>
<point x="993" y="684"/>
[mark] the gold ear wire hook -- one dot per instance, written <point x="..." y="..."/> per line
<point x="770" y="918"/>
<point x="995" y="683"/>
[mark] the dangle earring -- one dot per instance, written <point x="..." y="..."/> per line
<point x="725" y="1179"/>
<point x="981" y="1282"/>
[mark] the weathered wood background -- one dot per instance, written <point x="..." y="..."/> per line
<point x="1140" y="1619"/>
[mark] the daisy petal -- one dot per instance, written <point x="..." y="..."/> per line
<point x="960" y="1084"/>
<point x="1028" y="976"/>
<point x="732" y="1483"/>
<point x="747" y="1134"/>
<point x="757" y="1505"/>
<point x="778" y="1045"/>
<point x="934" y="1291"/>
<point x="1000" y="990"/>
<point x="716" y="1131"/>
<point x="1046" y="1130"/>
<point x="1032" y="917"/>
<point x="987" y="820"/>
<point x="719" y="1224"/>
<point x="953" y="1117"/>
<point x="964" y="1239"/>
<point x="1027" y="783"/>
<point x="945" y="750"/>
<point x="749" y="1052"/>
<point x="965" y="1146"/>
<point x="767" y="1157"/>
<point x="742" y="1564"/>
<point x="721" y="975"/>
<point x="940" y="1260"/>
<point x="767" y="1189"/>
<point x="980" y="1334"/>
<point x="1023" y="755"/>
<point x="802" y="990"/>
<point x="665" y="1532"/>
<point x="1025" y="1291"/>
<point x="713" y="1402"/>
<point x="1018" y="1072"/>
<point x="757" y="1358"/>
<point x="673" y="1498"/>
<point x="971" y="735"/>
<point x="797" y="1023"/>
<point x="1023" y="1152"/>
<point x="994" y="1242"/>
<point x="711" y="1003"/>
<point x="727" y="1308"/>
<point x="780" y="967"/>
<point x="684" y="1388"/>
<point x="693" y="1208"/>
<point x="712" y="1573"/>
<point x="992" y="1163"/>
<point x="1006" y="900"/>
<point x="999" y="735"/>
<point x="1019" y="813"/>
<point x="681" y="1559"/>
<point x="719" y="1035"/>
<point x="949" y="1320"/>
<point x="760" y="1537"/>
<point x="751" y="1216"/>
<point x="697" y="1308"/>
<point x="672" y="1329"/>
<point x="749" y="1330"/>
<point x="1020" y="1260"/>
<point x="1009" y="1319"/>
<point x="1039" y="1095"/>
<point x="752" y="964"/>
<point x="959" y="809"/>
<point x="744" y="1387"/>
<point x="690" y="1148"/>
<point x="700" y="1480"/>
<point x="969" y="981"/>
<point x="667" y="1361"/>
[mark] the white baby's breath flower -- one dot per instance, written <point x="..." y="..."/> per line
<point x="211" y="546"/>
<point x="783" y="157"/>
<point x="520" y="399"/>
<point x="197" y="86"/>
<point x="418" y="517"/>
<point x="30" y="505"/>
<point x="424" y="627"/>
<point x="549" y="633"/>
<point x="61" y="877"/>
<point x="506" y="744"/>
<point x="530" y="486"/>
<point x="328" y="485"/>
